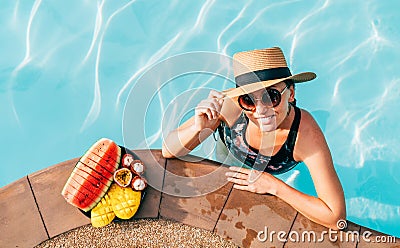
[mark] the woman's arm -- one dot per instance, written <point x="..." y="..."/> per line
<point x="329" y="207"/>
<point x="185" y="138"/>
<point x="326" y="209"/>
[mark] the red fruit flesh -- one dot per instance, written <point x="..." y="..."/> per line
<point x="93" y="176"/>
<point x="102" y="168"/>
<point x="106" y="162"/>
<point x="86" y="190"/>
<point x="108" y="150"/>
<point x="89" y="184"/>
<point x="78" y="199"/>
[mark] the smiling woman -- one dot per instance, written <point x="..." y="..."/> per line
<point x="263" y="128"/>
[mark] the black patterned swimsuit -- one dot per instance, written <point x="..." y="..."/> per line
<point x="235" y="140"/>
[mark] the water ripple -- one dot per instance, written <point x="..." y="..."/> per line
<point x="252" y="21"/>
<point x="338" y="83"/>
<point x="201" y="18"/>
<point x="361" y="207"/>
<point x="94" y="111"/>
<point x="27" y="57"/>
<point x="375" y="41"/>
<point x="238" y="16"/>
<point x="97" y="28"/>
<point x="290" y="180"/>
<point x="364" y="146"/>
<point x="296" y="30"/>
<point x="153" y="59"/>
<point x="15" y="12"/>
<point x="150" y="140"/>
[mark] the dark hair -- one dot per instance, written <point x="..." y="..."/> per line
<point x="290" y="82"/>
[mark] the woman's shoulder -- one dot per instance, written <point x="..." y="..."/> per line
<point x="308" y="123"/>
<point x="309" y="137"/>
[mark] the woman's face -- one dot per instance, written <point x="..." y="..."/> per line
<point x="268" y="118"/>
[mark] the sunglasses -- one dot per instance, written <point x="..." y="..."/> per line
<point x="270" y="97"/>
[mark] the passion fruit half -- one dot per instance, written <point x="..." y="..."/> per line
<point x="123" y="177"/>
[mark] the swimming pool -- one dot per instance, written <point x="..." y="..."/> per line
<point x="67" y="70"/>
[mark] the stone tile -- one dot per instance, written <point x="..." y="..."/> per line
<point x="154" y="174"/>
<point x="246" y="214"/>
<point x="194" y="193"/>
<point x="58" y="215"/>
<point x="306" y="233"/>
<point x="20" y="222"/>
<point x="372" y="238"/>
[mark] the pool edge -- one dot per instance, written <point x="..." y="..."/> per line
<point x="48" y="215"/>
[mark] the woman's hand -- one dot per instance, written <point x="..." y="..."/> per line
<point x="208" y="110"/>
<point x="252" y="180"/>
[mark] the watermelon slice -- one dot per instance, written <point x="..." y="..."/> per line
<point x="72" y="186"/>
<point x="108" y="150"/>
<point x="78" y="198"/>
<point x="91" y="187"/>
<point x="92" y="175"/>
<point x="106" y="162"/>
<point x="98" y="168"/>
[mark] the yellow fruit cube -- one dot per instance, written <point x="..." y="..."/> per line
<point x="102" y="214"/>
<point x="125" y="202"/>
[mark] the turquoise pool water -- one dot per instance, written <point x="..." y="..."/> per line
<point x="67" y="70"/>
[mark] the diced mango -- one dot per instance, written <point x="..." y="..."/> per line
<point x="103" y="213"/>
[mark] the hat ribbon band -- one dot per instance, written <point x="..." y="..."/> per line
<point x="262" y="75"/>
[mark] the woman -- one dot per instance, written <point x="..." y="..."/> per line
<point x="261" y="126"/>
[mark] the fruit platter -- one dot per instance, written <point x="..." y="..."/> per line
<point x="107" y="183"/>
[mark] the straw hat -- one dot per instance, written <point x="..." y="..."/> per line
<point x="258" y="69"/>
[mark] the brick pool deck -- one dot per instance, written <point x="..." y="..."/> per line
<point x="33" y="210"/>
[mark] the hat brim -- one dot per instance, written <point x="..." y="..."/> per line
<point x="249" y="88"/>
